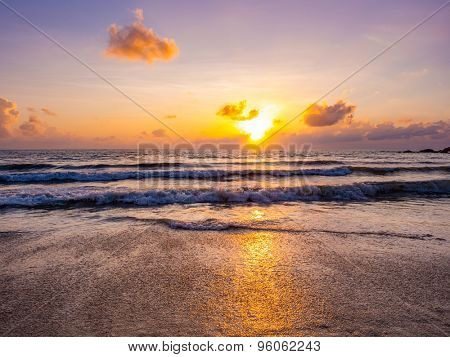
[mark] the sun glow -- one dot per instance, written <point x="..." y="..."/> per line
<point x="257" y="127"/>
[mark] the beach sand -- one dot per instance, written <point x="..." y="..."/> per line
<point x="155" y="281"/>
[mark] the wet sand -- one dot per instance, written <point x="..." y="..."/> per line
<point x="160" y="282"/>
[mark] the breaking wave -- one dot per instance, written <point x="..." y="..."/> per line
<point x="54" y="197"/>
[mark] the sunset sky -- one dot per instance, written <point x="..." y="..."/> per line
<point x="224" y="71"/>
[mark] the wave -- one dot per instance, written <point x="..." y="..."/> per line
<point x="70" y="176"/>
<point x="94" y="176"/>
<point x="146" y="165"/>
<point x="23" y="167"/>
<point x="159" y="165"/>
<point x="104" y="197"/>
<point x="388" y="170"/>
<point x="212" y="224"/>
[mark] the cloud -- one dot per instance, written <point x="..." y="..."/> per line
<point x="48" y="112"/>
<point x="171" y="116"/>
<point x="385" y="131"/>
<point x="415" y="74"/>
<point x="8" y="116"/>
<point x="326" y="115"/>
<point x="143" y="135"/>
<point x="159" y="133"/>
<point x="33" y="127"/>
<point x="136" y="42"/>
<point x="237" y="111"/>
<point x="104" y="138"/>
<point x="139" y="14"/>
<point x="366" y="135"/>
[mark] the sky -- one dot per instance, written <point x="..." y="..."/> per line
<point x="224" y="71"/>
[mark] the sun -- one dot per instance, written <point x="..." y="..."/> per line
<point x="257" y="127"/>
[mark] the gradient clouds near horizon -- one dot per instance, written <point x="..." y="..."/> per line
<point x="192" y="65"/>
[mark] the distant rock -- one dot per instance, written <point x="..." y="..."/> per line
<point x="407" y="152"/>
<point x="446" y="150"/>
<point x="428" y="151"/>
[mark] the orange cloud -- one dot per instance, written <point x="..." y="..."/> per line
<point x="326" y="115"/>
<point x="236" y="111"/>
<point x="8" y="116"/>
<point x="137" y="42"/>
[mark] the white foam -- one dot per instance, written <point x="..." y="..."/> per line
<point x="102" y="196"/>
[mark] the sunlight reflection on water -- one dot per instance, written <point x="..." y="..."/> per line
<point x="260" y="298"/>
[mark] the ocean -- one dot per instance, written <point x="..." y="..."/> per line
<point x="126" y="243"/>
<point x="365" y="192"/>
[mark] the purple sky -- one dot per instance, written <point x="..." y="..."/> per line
<point x="212" y="53"/>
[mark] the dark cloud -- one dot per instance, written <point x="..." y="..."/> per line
<point x="159" y="133"/>
<point x="8" y="116"/>
<point x="327" y="115"/>
<point x="33" y="127"/>
<point x="137" y="42"/>
<point x="236" y="111"/>
<point x="388" y="135"/>
<point x="386" y="131"/>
